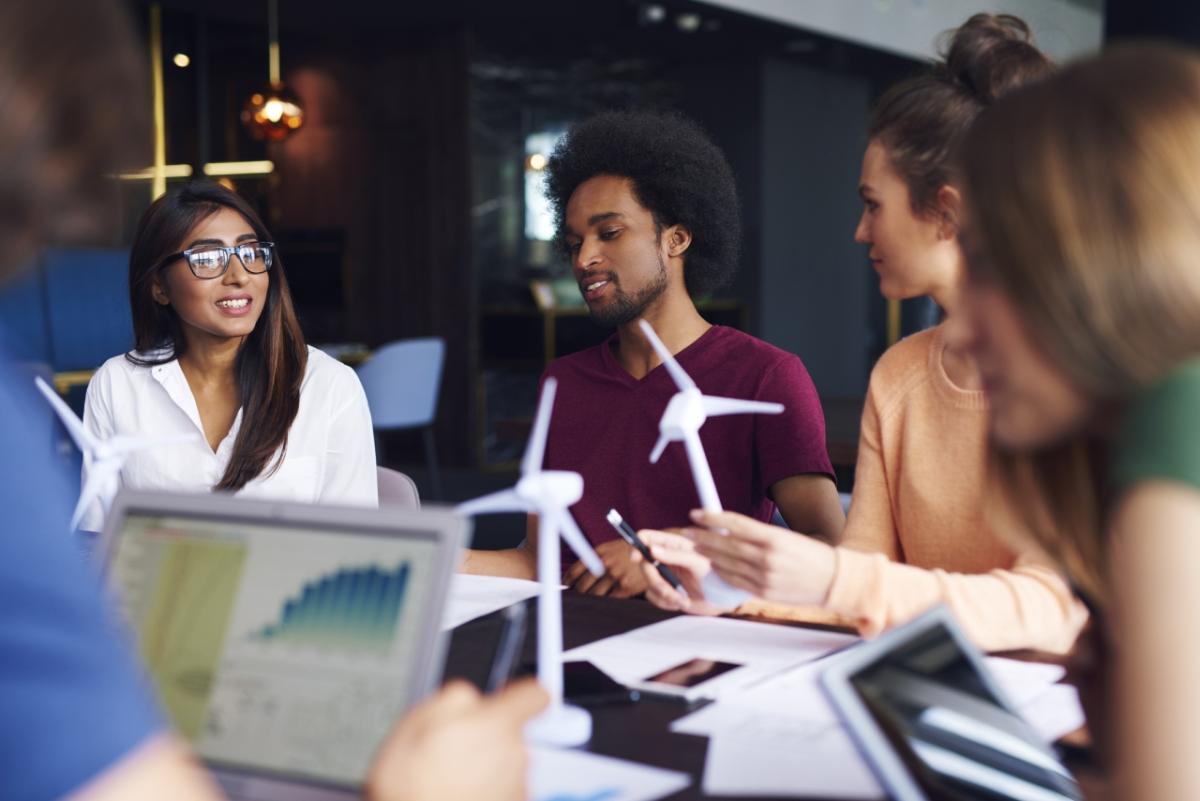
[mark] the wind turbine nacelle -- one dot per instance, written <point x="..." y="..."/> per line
<point x="560" y="488"/>
<point x="685" y="412"/>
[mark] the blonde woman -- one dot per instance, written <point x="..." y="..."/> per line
<point x="917" y="532"/>
<point x="1083" y="313"/>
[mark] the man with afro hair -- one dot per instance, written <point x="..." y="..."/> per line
<point x="646" y="212"/>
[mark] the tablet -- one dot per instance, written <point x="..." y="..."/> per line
<point x="934" y="725"/>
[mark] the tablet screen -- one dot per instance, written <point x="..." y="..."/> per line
<point x="958" y="740"/>
<point x="275" y="648"/>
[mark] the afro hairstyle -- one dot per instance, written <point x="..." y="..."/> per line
<point x="677" y="173"/>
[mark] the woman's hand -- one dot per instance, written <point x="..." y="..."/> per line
<point x="679" y="554"/>
<point x="769" y="562"/>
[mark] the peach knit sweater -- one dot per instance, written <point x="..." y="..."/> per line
<point x="917" y="534"/>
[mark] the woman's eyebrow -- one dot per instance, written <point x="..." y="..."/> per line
<point x="220" y="242"/>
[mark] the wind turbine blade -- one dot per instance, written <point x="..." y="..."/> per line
<point x="90" y="492"/>
<point x="682" y="379"/>
<point x="714" y="406"/>
<point x="503" y="501"/>
<point x="659" y="447"/>
<point x="83" y="440"/>
<point x="569" y="530"/>
<point x="535" y="451"/>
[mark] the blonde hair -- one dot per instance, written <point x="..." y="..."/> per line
<point x="1084" y="197"/>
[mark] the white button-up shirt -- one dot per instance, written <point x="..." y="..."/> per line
<point x="330" y="456"/>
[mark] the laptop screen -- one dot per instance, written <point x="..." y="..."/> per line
<point x="958" y="740"/>
<point x="274" y="647"/>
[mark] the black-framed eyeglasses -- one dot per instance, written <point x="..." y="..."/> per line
<point x="211" y="261"/>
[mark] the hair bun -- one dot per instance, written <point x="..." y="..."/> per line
<point x="991" y="54"/>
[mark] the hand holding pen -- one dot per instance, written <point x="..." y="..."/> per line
<point x="630" y="536"/>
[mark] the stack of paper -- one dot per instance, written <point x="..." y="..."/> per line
<point x="475" y="596"/>
<point x="761" y="648"/>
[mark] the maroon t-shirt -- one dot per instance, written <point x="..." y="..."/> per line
<point x="605" y="424"/>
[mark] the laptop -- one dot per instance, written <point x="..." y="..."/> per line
<point x="934" y="725"/>
<point x="284" y="640"/>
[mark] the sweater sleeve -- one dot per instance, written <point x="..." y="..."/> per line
<point x="871" y="525"/>
<point x="1027" y="606"/>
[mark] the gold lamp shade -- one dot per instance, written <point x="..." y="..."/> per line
<point x="273" y="114"/>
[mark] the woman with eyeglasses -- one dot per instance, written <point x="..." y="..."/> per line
<point x="219" y="355"/>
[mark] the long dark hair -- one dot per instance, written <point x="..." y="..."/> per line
<point x="271" y="361"/>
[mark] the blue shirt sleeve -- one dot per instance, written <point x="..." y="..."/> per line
<point x="72" y="699"/>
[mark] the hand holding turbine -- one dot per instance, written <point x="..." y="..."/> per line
<point x="685" y="414"/>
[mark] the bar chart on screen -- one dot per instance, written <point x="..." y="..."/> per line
<point x="351" y="609"/>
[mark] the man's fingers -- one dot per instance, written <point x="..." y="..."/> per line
<point x="601" y="586"/>
<point x="574" y="572"/>
<point x="518" y="701"/>
<point x="585" y="582"/>
<point x="455" y="697"/>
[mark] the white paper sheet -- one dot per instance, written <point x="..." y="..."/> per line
<point x="566" y="775"/>
<point x="763" y="648"/>
<point x="791" y="703"/>
<point x="1023" y="681"/>
<point x="797" y="695"/>
<point x="475" y="596"/>
<point x="822" y="762"/>
<point x="1056" y="712"/>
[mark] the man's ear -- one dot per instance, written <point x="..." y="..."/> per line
<point x="678" y="239"/>
<point x="948" y="204"/>
<point x="159" y="292"/>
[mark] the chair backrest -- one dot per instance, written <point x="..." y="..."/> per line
<point x="87" y="302"/>
<point x="402" y="380"/>
<point x="397" y="489"/>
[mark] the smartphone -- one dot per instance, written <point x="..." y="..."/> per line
<point x="690" y="680"/>
<point x="587" y="685"/>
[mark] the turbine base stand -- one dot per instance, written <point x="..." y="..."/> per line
<point x="560" y="726"/>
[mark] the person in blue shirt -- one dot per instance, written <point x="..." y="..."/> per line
<point x="76" y="716"/>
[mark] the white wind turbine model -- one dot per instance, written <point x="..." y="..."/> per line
<point x="104" y="456"/>
<point x="685" y="414"/>
<point x="549" y="493"/>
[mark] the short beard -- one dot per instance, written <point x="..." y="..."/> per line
<point x="627" y="308"/>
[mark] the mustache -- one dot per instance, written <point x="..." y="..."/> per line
<point x="591" y="277"/>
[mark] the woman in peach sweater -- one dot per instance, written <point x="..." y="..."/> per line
<point x="917" y="532"/>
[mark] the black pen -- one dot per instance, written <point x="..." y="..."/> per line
<point x="629" y="535"/>
<point x="511" y="639"/>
